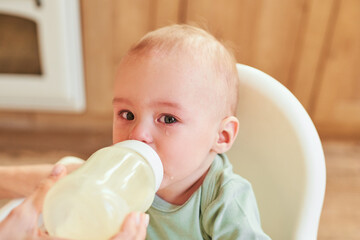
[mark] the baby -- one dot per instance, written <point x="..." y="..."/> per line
<point x="177" y="91"/>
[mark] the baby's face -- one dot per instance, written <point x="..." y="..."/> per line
<point x="168" y="104"/>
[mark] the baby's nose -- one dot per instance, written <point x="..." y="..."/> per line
<point x="141" y="132"/>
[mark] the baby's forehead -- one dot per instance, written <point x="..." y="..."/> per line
<point x="171" y="62"/>
<point x="183" y="65"/>
<point x="177" y="71"/>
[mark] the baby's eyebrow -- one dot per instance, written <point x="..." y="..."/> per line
<point x="168" y="104"/>
<point x="121" y="100"/>
<point x="159" y="103"/>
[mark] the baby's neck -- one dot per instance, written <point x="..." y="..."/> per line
<point x="179" y="192"/>
<point x="180" y="197"/>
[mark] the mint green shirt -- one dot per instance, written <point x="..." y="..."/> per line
<point x="224" y="207"/>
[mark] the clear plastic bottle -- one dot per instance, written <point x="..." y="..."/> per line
<point x="91" y="202"/>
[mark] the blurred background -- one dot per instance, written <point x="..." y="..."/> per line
<point x="310" y="46"/>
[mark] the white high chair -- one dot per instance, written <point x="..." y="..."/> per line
<point x="279" y="151"/>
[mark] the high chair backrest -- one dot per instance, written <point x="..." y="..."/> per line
<point x="279" y="151"/>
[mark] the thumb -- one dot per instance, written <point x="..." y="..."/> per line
<point x="133" y="227"/>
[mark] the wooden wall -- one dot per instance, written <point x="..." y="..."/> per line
<point x="311" y="46"/>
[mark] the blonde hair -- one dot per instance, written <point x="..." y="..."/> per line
<point x="202" y="46"/>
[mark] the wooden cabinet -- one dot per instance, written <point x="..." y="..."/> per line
<point x="336" y="104"/>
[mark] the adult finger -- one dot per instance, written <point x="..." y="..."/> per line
<point x="22" y="221"/>
<point x="38" y="196"/>
<point x="133" y="227"/>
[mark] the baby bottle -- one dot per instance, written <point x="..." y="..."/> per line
<point x="91" y="202"/>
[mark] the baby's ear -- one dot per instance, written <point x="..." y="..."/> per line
<point x="227" y="133"/>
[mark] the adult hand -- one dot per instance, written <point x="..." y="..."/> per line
<point x="22" y="222"/>
<point x="133" y="227"/>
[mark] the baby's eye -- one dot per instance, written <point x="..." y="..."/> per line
<point x="168" y="119"/>
<point x="127" y="115"/>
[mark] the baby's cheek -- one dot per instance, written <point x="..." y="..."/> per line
<point x="167" y="181"/>
<point x="119" y="138"/>
<point x="171" y="161"/>
<point x="169" y="169"/>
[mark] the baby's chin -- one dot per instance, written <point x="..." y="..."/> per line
<point x="166" y="182"/>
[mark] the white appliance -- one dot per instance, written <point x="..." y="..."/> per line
<point x="60" y="84"/>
